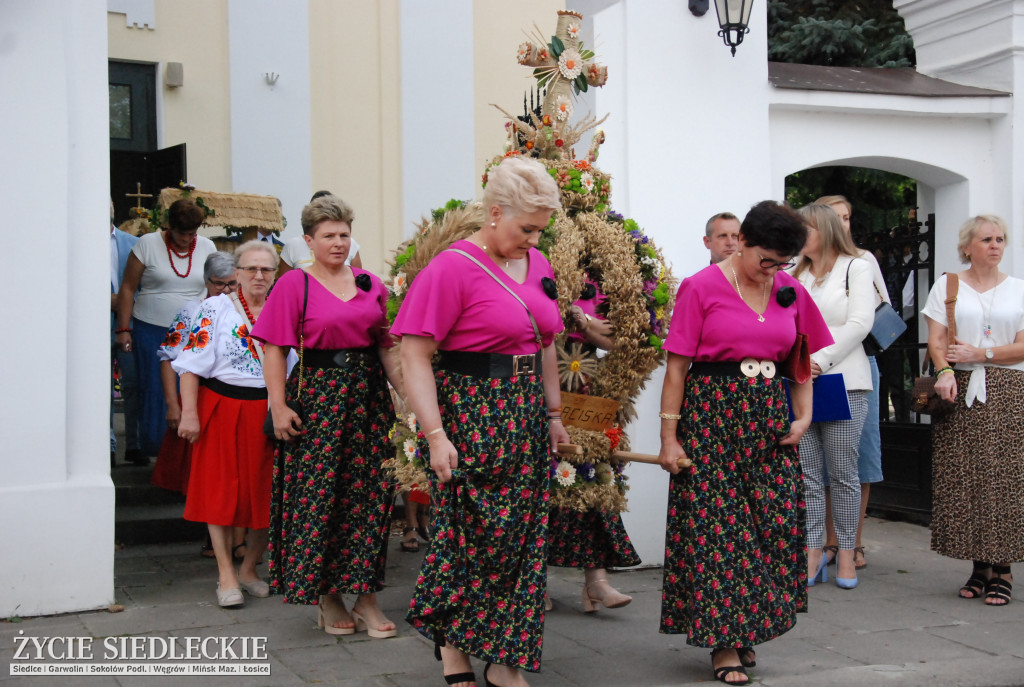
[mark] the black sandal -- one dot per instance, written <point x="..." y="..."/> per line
<point x="999" y="590"/>
<point x="455" y="678"/>
<point x="978" y="582"/>
<point x="412" y="546"/>
<point x="747" y="656"/>
<point x="721" y="672"/>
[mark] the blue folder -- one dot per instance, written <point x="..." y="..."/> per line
<point x="830" y="400"/>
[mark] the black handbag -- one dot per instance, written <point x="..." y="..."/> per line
<point x="887" y="326"/>
<point x="295" y="403"/>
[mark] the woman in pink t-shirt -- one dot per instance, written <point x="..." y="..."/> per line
<point x="331" y="509"/>
<point x="735" y="555"/>
<point x="488" y="305"/>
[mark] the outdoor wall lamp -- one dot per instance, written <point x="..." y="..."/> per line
<point x="733" y="18"/>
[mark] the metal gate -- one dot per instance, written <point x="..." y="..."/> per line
<point x="906" y="255"/>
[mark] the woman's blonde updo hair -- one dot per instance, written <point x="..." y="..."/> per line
<point x="970" y="228"/>
<point x="327" y="208"/>
<point x="521" y="186"/>
<point x="833" y="239"/>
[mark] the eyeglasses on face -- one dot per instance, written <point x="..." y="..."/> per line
<point x="768" y="263"/>
<point x="224" y="284"/>
<point x="265" y="271"/>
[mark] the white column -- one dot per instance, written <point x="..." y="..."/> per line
<point x="270" y="123"/>
<point x="56" y="497"/>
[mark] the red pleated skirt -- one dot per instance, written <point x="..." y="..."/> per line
<point x="232" y="464"/>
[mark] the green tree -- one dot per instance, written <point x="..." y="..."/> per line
<point x="838" y="33"/>
<point x="881" y="200"/>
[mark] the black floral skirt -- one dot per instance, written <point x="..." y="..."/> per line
<point x="735" y="551"/>
<point x="589" y="539"/>
<point x="330" y="510"/>
<point x="481" y="588"/>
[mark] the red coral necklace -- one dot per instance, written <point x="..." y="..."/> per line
<point x="191" y="250"/>
<point x="245" y="307"/>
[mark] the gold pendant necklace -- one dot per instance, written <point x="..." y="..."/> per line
<point x="764" y="293"/>
<point x="489" y="255"/>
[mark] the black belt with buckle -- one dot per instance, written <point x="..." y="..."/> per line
<point x="335" y="357"/>
<point x="499" y="365"/>
<point x="239" y="393"/>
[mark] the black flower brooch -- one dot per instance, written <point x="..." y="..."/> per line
<point x="363" y="282"/>
<point x="550" y="288"/>
<point x="589" y="292"/>
<point x="786" y="296"/>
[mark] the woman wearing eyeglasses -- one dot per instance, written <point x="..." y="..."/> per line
<point x="332" y="500"/>
<point x="734" y="546"/>
<point x="165" y="268"/>
<point x="223" y="406"/>
<point x="840" y="283"/>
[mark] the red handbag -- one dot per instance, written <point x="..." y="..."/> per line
<point x="797" y="365"/>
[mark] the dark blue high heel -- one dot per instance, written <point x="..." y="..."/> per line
<point x="822" y="572"/>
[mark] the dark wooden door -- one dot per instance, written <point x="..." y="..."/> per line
<point x="154" y="170"/>
<point x="906" y="255"/>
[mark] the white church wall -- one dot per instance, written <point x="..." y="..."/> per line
<point x="56" y="499"/>
<point x="676" y="159"/>
<point x="270" y="123"/>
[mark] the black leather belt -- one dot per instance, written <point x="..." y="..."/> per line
<point x="474" y="364"/>
<point x="748" y="367"/>
<point x="335" y="357"/>
<point x="241" y="393"/>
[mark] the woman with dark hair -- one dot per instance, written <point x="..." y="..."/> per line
<point x="165" y="268"/>
<point x="491" y="415"/>
<point x="331" y="509"/>
<point x="735" y="555"/>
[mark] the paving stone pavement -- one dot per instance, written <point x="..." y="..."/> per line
<point x="903" y="625"/>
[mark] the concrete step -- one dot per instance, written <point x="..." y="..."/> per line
<point x="145" y="514"/>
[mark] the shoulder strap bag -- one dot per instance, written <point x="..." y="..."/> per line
<point x="533" y="322"/>
<point x="887" y="326"/>
<point x="924" y="400"/>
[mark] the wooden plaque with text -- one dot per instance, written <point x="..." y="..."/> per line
<point x="588" y="412"/>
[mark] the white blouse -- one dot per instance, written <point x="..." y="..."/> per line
<point x="1001" y="308"/>
<point x="219" y="346"/>
<point x="177" y="334"/>
<point x="161" y="291"/>
<point x="849" y="319"/>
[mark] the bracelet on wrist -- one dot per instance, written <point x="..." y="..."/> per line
<point x="433" y="432"/>
<point x="554" y="419"/>
<point x="125" y="330"/>
<point x="670" y="416"/>
<point x="947" y="368"/>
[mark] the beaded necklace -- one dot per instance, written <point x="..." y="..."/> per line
<point x="191" y="250"/>
<point x="245" y="307"/>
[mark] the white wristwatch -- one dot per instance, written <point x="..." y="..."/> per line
<point x="989" y="354"/>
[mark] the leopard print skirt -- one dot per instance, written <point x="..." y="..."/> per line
<point x="978" y="473"/>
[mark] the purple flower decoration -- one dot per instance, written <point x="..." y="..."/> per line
<point x="614" y="216"/>
<point x="587" y="472"/>
<point x="786" y="296"/>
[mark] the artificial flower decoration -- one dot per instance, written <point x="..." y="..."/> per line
<point x="398" y="284"/>
<point x="565" y="473"/>
<point x="573" y="30"/>
<point x="409" y="447"/>
<point x="575" y="366"/>
<point x="563" y="108"/>
<point x="570" y="64"/>
<point x="586" y="182"/>
<point x="589" y="291"/>
<point x="527" y="51"/>
<point x="786" y="296"/>
<point x="605" y="474"/>
<point x="363" y="282"/>
<point x="550" y="288"/>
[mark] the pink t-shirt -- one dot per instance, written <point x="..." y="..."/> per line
<point x="458" y="305"/>
<point x="330" y="322"/>
<point x="712" y="323"/>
